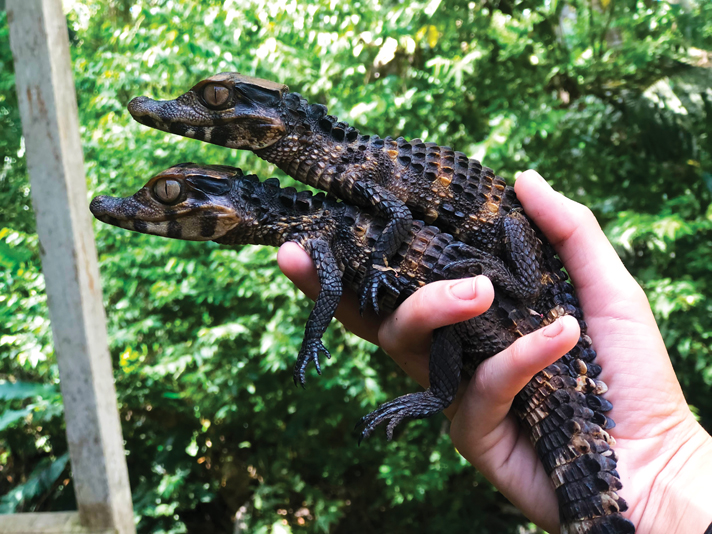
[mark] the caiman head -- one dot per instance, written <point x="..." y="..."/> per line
<point x="227" y="109"/>
<point x="187" y="202"/>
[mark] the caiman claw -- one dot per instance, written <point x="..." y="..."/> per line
<point x="411" y="406"/>
<point x="379" y="276"/>
<point x="309" y="353"/>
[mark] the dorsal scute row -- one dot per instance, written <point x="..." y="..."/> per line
<point x="317" y="114"/>
<point x="297" y="107"/>
<point x="255" y="191"/>
<point x="302" y="201"/>
<point x="247" y="186"/>
<point x="470" y="183"/>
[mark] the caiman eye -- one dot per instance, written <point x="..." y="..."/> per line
<point x="215" y="95"/>
<point x="167" y="191"/>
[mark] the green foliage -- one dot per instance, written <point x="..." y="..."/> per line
<point x="40" y="483"/>
<point x="608" y="99"/>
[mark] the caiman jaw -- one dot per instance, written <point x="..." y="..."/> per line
<point x="249" y="117"/>
<point x="116" y="211"/>
<point x="147" y="112"/>
<point x="184" y="202"/>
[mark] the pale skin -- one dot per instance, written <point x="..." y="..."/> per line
<point x="665" y="456"/>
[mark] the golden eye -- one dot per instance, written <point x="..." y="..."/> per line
<point x="167" y="190"/>
<point x="215" y="95"/>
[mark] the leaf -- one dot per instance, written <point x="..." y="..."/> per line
<point x="41" y="479"/>
<point x="10" y="417"/>
<point x="25" y="390"/>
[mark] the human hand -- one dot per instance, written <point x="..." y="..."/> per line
<point x="665" y="457"/>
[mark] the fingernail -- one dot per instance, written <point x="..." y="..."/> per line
<point x="553" y="329"/>
<point x="465" y="289"/>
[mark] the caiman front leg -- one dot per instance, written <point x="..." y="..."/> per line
<point x="445" y="369"/>
<point x="384" y="204"/>
<point x="324" y="308"/>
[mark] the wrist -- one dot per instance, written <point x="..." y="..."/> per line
<point x="681" y="497"/>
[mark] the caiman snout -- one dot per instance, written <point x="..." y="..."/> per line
<point x="137" y="106"/>
<point x="125" y="213"/>
<point x="103" y="207"/>
<point x="145" y="110"/>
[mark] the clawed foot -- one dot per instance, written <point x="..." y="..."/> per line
<point x="309" y="353"/>
<point x="410" y="406"/>
<point x="379" y="276"/>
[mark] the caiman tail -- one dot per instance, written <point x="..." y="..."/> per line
<point x="563" y="409"/>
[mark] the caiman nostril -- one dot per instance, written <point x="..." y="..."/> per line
<point x="138" y="106"/>
<point x="97" y="205"/>
<point x="145" y="111"/>
<point x="106" y="208"/>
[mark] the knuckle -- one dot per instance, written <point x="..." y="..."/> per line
<point x="420" y="304"/>
<point x="432" y="299"/>
<point x="583" y="213"/>
<point x="631" y="293"/>
<point x="488" y="384"/>
<point x="516" y="351"/>
<point x="485" y="378"/>
<point x="523" y="354"/>
<point x="482" y="378"/>
<point x="634" y="291"/>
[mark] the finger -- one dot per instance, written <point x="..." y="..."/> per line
<point x="620" y="320"/>
<point x="499" y="379"/>
<point x="478" y="424"/>
<point x="407" y="333"/>
<point x="484" y="433"/>
<point x="432" y="306"/>
<point x="296" y="264"/>
<point x="574" y="232"/>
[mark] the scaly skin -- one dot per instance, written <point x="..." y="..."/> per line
<point x="562" y="406"/>
<point x="394" y="179"/>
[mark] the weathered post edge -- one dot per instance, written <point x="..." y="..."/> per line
<point x="48" y="106"/>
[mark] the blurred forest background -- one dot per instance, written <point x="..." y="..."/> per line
<point x="610" y="100"/>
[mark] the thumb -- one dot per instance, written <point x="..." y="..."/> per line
<point x="489" y="396"/>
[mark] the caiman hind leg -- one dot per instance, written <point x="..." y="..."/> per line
<point x="445" y="369"/>
<point x="524" y="252"/>
<point x="324" y="307"/>
<point x="384" y="204"/>
<point x="519" y="276"/>
<point x="479" y="262"/>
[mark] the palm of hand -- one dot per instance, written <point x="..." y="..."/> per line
<point x="655" y="430"/>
